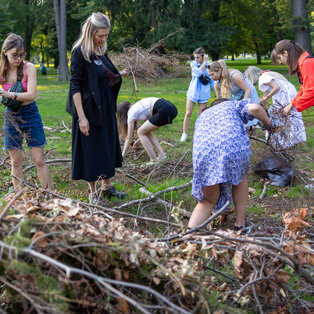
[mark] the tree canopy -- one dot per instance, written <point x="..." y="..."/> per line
<point x="220" y="26"/>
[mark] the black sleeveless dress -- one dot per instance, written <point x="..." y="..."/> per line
<point x="96" y="156"/>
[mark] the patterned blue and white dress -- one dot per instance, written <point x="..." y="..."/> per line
<point x="221" y="149"/>
<point x="197" y="92"/>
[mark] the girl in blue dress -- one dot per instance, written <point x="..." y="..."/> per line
<point x="232" y="84"/>
<point x="221" y="158"/>
<point x="197" y="92"/>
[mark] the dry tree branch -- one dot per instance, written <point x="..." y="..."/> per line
<point x="168" y="205"/>
<point x="102" y="209"/>
<point x="36" y="306"/>
<point x="4" y="160"/>
<point x="49" y="161"/>
<point x="155" y="195"/>
<point x="151" y="49"/>
<point x="66" y="127"/>
<point x="205" y="223"/>
<point x="102" y="280"/>
<point x="263" y="192"/>
<point x="289" y="260"/>
<point x="7" y="207"/>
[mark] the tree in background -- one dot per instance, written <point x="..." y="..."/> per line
<point x="301" y="24"/>
<point x="220" y="26"/>
<point x="60" y="17"/>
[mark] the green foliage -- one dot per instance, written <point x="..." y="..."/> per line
<point x="22" y="236"/>
<point x="47" y="286"/>
<point x="221" y="27"/>
<point x="256" y="210"/>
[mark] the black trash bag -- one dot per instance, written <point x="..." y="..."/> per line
<point x="276" y="170"/>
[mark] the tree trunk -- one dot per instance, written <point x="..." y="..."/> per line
<point x="60" y="17"/>
<point x="28" y="32"/>
<point x="277" y="21"/>
<point x="301" y="24"/>
<point x="215" y="56"/>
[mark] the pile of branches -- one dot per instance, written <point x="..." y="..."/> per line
<point x="60" y="255"/>
<point x="148" y="66"/>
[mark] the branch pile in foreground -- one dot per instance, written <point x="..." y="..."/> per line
<point x="58" y="256"/>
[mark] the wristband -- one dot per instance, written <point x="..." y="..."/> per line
<point x="80" y="118"/>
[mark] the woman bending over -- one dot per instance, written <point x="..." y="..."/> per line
<point x="156" y="112"/>
<point x="221" y="159"/>
<point x="276" y="87"/>
<point x="300" y="62"/>
<point x="232" y="84"/>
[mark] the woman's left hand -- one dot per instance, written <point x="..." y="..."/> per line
<point x="124" y="72"/>
<point x="84" y="126"/>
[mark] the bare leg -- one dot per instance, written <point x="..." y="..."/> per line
<point x="188" y="113"/>
<point x="204" y="208"/>
<point x="240" y="198"/>
<point x="106" y="184"/>
<point x="41" y="166"/>
<point x="91" y="187"/>
<point x="143" y="134"/>
<point x="200" y="108"/>
<point x="155" y="143"/>
<point x="16" y="156"/>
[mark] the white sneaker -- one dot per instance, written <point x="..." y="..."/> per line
<point x="183" y="137"/>
<point x="152" y="163"/>
<point x="160" y="158"/>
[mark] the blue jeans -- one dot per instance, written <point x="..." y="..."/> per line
<point x="26" y="122"/>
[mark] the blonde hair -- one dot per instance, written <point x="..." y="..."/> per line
<point x="224" y="80"/>
<point x="89" y="28"/>
<point x="253" y="73"/>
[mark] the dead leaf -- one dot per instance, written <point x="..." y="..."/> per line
<point x="282" y="275"/>
<point x="117" y="274"/>
<point x="42" y="242"/>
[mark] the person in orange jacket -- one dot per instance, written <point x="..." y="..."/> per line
<point x="300" y="62"/>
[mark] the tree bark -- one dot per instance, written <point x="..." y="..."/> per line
<point x="301" y="24"/>
<point x="60" y="18"/>
<point x="28" y="32"/>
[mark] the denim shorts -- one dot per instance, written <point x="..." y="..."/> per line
<point x="26" y="122"/>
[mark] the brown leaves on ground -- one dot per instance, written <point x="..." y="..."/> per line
<point x="106" y="246"/>
<point x="298" y="245"/>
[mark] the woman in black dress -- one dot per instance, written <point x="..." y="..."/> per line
<point x="92" y="103"/>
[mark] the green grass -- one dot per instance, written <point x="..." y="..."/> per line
<point x="51" y="100"/>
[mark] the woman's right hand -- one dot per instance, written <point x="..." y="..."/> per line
<point x="84" y="126"/>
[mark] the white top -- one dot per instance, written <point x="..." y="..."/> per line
<point x="141" y="110"/>
<point x="292" y="130"/>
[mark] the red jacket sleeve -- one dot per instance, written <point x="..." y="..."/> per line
<point x="305" y="97"/>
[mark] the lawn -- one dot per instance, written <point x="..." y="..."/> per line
<point x="51" y="100"/>
<point x="265" y="215"/>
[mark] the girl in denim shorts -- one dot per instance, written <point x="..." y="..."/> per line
<point x="24" y="121"/>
